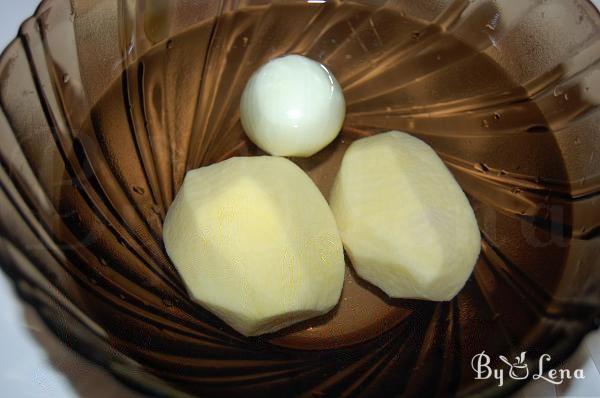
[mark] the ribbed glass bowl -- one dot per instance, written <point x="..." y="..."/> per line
<point x="106" y="103"/>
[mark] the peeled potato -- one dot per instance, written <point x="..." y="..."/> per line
<point x="406" y="224"/>
<point x="256" y="243"/>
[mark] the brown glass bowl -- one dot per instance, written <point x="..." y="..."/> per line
<point x="105" y="104"/>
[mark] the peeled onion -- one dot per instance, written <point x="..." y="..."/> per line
<point x="292" y="106"/>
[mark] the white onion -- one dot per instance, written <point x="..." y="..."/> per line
<point x="292" y="106"/>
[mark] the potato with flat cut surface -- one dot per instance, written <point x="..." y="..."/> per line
<point x="256" y="243"/>
<point x="406" y="224"/>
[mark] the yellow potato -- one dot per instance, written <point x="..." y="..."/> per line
<point x="405" y="222"/>
<point x="256" y="243"/>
